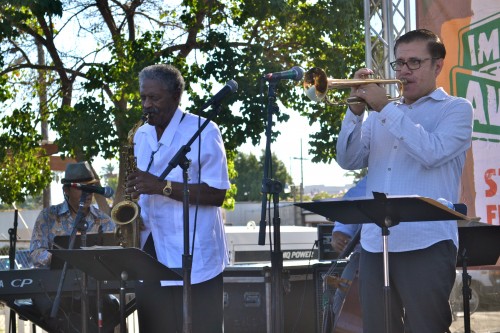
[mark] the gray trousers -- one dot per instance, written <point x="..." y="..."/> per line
<point x="420" y="283"/>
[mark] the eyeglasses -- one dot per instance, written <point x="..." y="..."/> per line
<point x="412" y="63"/>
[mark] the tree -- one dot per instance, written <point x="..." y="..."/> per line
<point x="250" y="173"/>
<point x="95" y="48"/>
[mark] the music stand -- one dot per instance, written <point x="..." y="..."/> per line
<point x="386" y="212"/>
<point x="92" y="239"/>
<point x="118" y="264"/>
<point x="477" y="246"/>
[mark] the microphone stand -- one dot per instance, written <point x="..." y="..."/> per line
<point x="273" y="187"/>
<point x="79" y="225"/>
<point x="12" y="261"/>
<point x="181" y="160"/>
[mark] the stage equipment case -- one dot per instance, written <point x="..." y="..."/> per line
<point x="247" y="296"/>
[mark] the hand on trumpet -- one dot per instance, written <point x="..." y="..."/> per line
<point x="373" y="94"/>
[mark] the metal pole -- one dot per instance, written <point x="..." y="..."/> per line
<point x="301" y="171"/>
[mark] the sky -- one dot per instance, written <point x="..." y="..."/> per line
<point x="287" y="149"/>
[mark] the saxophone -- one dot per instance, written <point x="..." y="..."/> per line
<point x="126" y="213"/>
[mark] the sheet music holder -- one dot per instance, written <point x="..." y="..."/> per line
<point x="398" y="209"/>
<point x="481" y="243"/>
<point x="122" y="264"/>
<point x="107" y="264"/>
<point x="93" y="239"/>
<point x="477" y="246"/>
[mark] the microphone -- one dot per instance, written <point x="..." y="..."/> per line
<point x="230" y="87"/>
<point x="104" y="191"/>
<point x="296" y="74"/>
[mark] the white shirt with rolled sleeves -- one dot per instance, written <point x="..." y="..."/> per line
<point x="416" y="149"/>
<point x="163" y="216"/>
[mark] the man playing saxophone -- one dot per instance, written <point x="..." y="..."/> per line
<point x="160" y="305"/>
<point x="414" y="146"/>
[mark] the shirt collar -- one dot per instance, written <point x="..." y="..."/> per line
<point x="438" y="95"/>
<point x="63" y="208"/>
<point x="168" y="134"/>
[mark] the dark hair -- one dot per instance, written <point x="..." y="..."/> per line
<point x="434" y="45"/>
<point x="169" y="76"/>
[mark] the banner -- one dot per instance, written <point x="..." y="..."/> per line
<point x="470" y="30"/>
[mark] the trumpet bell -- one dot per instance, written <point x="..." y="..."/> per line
<point x="313" y="94"/>
<point x="316" y="86"/>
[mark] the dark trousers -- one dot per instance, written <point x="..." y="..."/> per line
<point x="160" y="309"/>
<point x="420" y="283"/>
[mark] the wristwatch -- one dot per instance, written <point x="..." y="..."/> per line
<point x="167" y="190"/>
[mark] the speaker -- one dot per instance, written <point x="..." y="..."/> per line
<point x="246" y="295"/>
<point x="248" y="303"/>
<point x="325" y="249"/>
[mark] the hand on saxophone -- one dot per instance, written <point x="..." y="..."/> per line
<point x="141" y="182"/>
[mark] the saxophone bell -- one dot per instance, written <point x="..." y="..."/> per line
<point x="125" y="212"/>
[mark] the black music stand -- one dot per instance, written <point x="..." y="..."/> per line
<point x="118" y="264"/>
<point x="477" y="246"/>
<point x="386" y="212"/>
<point x="92" y="239"/>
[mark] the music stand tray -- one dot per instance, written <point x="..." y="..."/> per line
<point x="92" y="239"/>
<point x="477" y="246"/>
<point x="481" y="243"/>
<point x="381" y="208"/>
<point x="108" y="264"/>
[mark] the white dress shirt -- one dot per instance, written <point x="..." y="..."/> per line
<point x="163" y="216"/>
<point x="416" y="149"/>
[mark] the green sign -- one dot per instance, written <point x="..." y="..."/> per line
<point x="477" y="76"/>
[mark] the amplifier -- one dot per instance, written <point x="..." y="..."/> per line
<point x="248" y="303"/>
<point x="325" y="249"/>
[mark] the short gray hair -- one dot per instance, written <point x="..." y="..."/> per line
<point x="169" y="76"/>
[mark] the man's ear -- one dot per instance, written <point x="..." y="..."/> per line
<point x="65" y="192"/>
<point x="439" y="65"/>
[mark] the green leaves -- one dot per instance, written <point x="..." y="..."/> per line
<point x="250" y="172"/>
<point x="86" y="129"/>
<point x="24" y="169"/>
<point x="92" y="94"/>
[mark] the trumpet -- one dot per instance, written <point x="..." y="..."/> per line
<point x="317" y="84"/>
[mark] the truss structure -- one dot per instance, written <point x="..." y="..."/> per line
<point x="385" y="21"/>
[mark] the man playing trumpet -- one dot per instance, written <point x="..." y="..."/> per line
<point x="413" y="146"/>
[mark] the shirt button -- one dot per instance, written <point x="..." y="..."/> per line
<point x="388" y="169"/>
<point x="395" y="147"/>
<point x="383" y="121"/>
